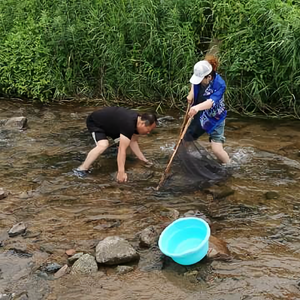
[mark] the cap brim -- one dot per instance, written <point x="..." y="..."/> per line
<point x="195" y="79"/>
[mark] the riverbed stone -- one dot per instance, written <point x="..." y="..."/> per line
<point x="121" y="270"/>
<point x="17" y="229"/>
<point x="76" y="256"/>
<point x="149" y="236"/>
<point x="151" y="259"/>
<point x="271" y="195"/>
<point x="197" y="214"/>
<point x="14" y="123"/>
<point x="70" y="252"/>
<point x="170" y="213"/>
<point x="219" y="192"/>
<point x="62" y="271"/>
<point x="218" y="249"/>
<point x="3" y="194"/>
<point x="86" y="264"/>
<point x="51" y="267"/>
<point x="115" y="250"/>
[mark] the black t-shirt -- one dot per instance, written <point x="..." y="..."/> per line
<point x="113" y="121"/>
<point x="200" y="97"/>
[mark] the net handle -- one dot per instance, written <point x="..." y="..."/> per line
<point x="185" y="119"/>
<point x="163" y="177"/>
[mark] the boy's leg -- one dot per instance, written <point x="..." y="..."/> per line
<point x="101" y="145"/>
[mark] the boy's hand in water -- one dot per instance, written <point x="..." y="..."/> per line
<point x="148" y="163"/>
<point x="121" y="177"/>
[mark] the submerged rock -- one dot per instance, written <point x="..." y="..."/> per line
<point x="218" y="249"/>
<point x="17" y="229"/>
<point x="271" y="195"/>
<point x="219" y="192"/>
<point x="75" y="257"/>
<point x="14" y="123"/>
<point x="121" y="270"/>
<point x="62" y="271"/>
<point x="152" y="259"/>
<point x="197" y="214"/>
<point x="115" y="250"/>
<point x="51" y="267"/>
<point x="3" y="194"/>
<point x="149" y="236"/>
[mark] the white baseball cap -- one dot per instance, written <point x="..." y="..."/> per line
<point x="201" y="69"/>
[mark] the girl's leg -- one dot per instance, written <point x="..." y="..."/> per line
<point x="217" y="139"/>
<point x="219" y="152"/>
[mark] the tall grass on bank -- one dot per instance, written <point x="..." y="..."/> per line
<point x="130" y="49"/>
<point x="260" y="51"/>
<point x="143" y="51"/>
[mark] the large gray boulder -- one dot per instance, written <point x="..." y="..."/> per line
<point x="114" y="250"/>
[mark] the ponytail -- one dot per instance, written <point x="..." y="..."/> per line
<point x="213" y="61"/>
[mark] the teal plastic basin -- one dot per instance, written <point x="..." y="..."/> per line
<point x="185" y="240"/>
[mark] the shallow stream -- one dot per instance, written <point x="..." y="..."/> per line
<point x="260" y="221"/>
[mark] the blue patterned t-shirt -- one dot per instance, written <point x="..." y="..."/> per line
<point x="211" y="118"/>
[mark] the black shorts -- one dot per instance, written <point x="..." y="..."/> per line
<point x="98" y="136"/>
<point x="98" y="133"/>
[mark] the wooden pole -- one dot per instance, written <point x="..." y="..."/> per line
<point x="163" y="177"/>
<point x="185" y="119"/>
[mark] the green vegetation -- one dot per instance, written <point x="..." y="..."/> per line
<point x="143" y="51"/>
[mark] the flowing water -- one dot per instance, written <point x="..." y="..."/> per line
<point x="259" y="221"/>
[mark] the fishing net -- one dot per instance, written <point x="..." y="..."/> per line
<point x="193" y="168"/>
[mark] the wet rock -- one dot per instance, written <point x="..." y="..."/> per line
<point x="43" y="275"/>
<point x="22" y="296"/>
<point x="152" y="259"/>
<point x="74" y="115"/>
<point x="73" y="258"/>
<point x="29" y="235"/>
<point x="149" y="236"/>
<point x="218" y="249"/>
<point x="197" y="214"/>
<point x="17" y="229"/>
<point x="220" y="192"/>
<point x="19" y="252"/>
<point x="47" y="248"/>
<point x="51" y="267"/>
<point x="86" y="264"/>
<point x="271" y="195"/>
<point x="115" y="250"/>
<point x="3" y="194"/>
<point x="190" y="273"/>
<point x="26" y="195"/>
<point x="9" y="296"/>
<point x="170" y="213"/>
<point x="166" y="119"/>
<point x="140" y="174"/>
<point x="121" y="270"/>
<point x="61" y="272"/>
<point x="14" y="123"/>
<point x="49" y="115"/>
<point x="298" y="285"/>
<point x="70" y="252"/>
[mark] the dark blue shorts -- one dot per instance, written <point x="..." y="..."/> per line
<point x="195" y="131"/>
